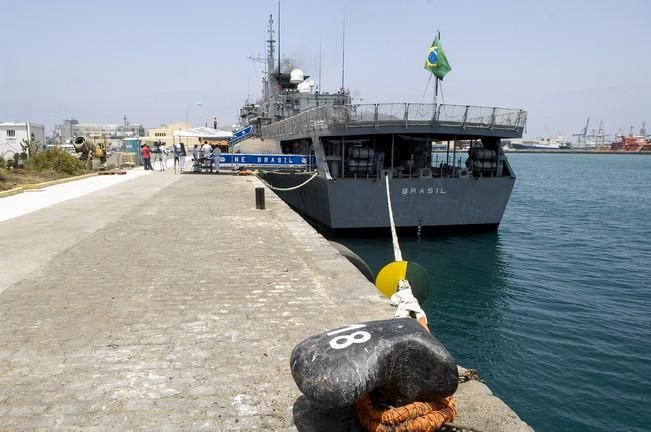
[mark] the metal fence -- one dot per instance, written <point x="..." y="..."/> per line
<point x="405" y="115"/>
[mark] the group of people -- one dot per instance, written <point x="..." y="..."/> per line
<point x="206" y="157"/>
<point x="161" y="149"/>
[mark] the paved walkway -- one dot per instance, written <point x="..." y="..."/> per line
<point x="36" y="199"/>
<point x="168" y="302"/>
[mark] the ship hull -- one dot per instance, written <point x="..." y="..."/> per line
<point x="434" y="204"/>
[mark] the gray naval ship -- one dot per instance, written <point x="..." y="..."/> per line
<point x="351" y="148"/>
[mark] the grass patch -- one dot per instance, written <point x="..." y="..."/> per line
<point x="13" y="178"/>
<point x="52" y="164"/>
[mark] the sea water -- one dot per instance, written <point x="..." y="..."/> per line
<point x="553" y="309"/>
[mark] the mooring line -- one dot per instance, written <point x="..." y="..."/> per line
<point x="316" y="173"/>
<point x="396" y="247"/>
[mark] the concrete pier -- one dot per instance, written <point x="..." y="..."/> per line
<point x="169" y="303"/>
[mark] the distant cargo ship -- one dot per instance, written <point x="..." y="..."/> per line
<point x="632" y="143"/>
<point x="559" y="142"/>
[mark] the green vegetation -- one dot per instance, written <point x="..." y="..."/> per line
<point x="35" y="166"/>
<point x="57" y="160"/>
<point x="30" y="147"/>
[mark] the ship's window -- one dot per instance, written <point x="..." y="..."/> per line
<point x="11" y="133"/>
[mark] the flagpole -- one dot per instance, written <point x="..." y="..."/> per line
<point x="436" y="81"/>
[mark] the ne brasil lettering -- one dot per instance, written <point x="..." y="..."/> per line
<point x="278" y="159"/>
<point x="264" y="159"/>
<point x="438" y="190"/>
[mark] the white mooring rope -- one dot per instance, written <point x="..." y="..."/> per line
<point x="316" y="173"/>
<point x="396" y="247"/>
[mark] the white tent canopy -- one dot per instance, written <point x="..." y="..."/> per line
<point x="203" y="132"/>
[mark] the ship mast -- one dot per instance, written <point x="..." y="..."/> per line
<point x="270" y="59"/>
<point x="319" y="64"/>
<point x="279" y="37"/>
<point x="343" y="53"/>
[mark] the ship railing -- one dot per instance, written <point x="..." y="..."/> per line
<point x="394" y="114"/>
<point x="311" y="120"/>
<point x="480" y="117"/>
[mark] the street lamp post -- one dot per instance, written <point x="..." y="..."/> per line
<point x="187" y="110"/>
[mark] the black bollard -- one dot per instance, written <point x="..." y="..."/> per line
<point x="259" y="198"/>
<point x="397" y="358"/>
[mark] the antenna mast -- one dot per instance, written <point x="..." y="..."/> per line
<point x="343" y="53"/>
<point x="279" y="56"/>
<point x="270" y="58"/>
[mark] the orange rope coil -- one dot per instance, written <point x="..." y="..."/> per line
<point x="414" y="417"/>
<point x="427" y="416"/>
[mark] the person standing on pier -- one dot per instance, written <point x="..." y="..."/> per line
<point x="179" y="156"/>
<point x="163" y="156"/>
<point x="216" y="155"/>
<point x="195" y="156"/>
<point x="146" y="157"/>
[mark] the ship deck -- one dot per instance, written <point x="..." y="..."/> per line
<point x="437" y="121"/>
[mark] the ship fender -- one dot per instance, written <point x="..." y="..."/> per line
<point x="398" y="359"/>
<point x="355" y="260"/>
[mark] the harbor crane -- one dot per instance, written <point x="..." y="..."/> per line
<point x="581" y="137"/>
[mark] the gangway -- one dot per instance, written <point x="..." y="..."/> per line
<point x="241" y="135"/>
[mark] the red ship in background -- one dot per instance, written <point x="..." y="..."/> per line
<point x="633" y="143"/>
<point x="598" y="141"/>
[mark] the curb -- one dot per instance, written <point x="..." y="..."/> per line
<point x="10" y="192"/>
<point x="33" y="186"/>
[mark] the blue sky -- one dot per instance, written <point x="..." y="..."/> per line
<point x="96" y="61"/>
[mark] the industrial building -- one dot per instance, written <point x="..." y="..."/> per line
<point x="112" y="133"/>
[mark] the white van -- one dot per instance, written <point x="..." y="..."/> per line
<point x="69" y="148"/>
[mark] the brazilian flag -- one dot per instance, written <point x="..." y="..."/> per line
<point x="436" y="62"/>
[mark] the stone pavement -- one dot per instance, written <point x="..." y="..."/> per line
<point x="168" y="303"/>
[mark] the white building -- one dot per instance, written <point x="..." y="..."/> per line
<point x="12" y="135"/>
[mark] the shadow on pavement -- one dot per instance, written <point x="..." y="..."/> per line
<point x="309" y="417"/>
